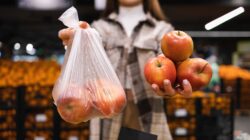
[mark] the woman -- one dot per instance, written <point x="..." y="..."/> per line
<point x="131" y="31"/>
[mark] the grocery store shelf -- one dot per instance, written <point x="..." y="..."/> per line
<point x="8" y="129"/>
<point x="7" y="107"/>
<point x="242" y="123"/>
<point x="173" y="117"/>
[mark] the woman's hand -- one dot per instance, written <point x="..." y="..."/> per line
<point x="169" y="91"/>
<point x="66" y="35"/>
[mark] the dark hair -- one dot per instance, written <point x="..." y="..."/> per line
<point x="151" y="6"/>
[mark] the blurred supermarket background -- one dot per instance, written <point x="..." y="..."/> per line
<point x="31" y="55"/>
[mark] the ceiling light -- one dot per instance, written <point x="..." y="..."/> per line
<point x="29" y="47"/>
<point x="224" y="18"/>
<point x="100" y="4"/>
<point x="17" y="46"/>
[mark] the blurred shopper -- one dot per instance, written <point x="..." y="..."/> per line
<point x="131" y="31"/>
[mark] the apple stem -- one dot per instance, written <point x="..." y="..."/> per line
<point x="158" y="64"/>
<point x="203" y="68"/>
<point x="179" y="33"/>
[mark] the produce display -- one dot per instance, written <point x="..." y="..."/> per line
<point x="38" y="96"/>
<point x="8" y="135"/>
<point x="230" y="72"/>
<point x="179" y="103"/>
<point x="236" y="81"/>
<point x="8" y="114"/>
<point x="200" y="116"/>
<point x="28" y="73"/>
<point x="209" y="102"/>
<point x="75" y="135"/>
<point x="68" y="126"/>
<point x="39" y="119"/>
<point x="7" y="119"/>
<point x="177" y="46"/>
<point x="8" y="98"/>
<point x="188" y="126"/>
<point x="34" y="135"/>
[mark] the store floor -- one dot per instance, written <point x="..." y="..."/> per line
<point x="242" y="123"/>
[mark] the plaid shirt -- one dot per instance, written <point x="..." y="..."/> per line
<point x="128" y="56"/>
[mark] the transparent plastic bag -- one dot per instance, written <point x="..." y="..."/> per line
<point x="88" y="86"/>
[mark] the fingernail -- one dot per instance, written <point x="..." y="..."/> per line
<point x="166" y="82"/>
<point x="154" y="86"/>
<point x="185" y="82"/>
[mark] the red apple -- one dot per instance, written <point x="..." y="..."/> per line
<point x="196" y="70"/>
<point x="177" y="45"/>
<point x="107" y="97"/>
<point x="73" y="105"/>
<point x="159" y="68"/>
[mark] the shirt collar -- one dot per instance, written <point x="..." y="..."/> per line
<point x="149" y="18"/>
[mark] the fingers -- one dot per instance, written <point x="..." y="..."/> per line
<point x="66" y="36"/>
<point x="168" y="90"/>
<point x="67" y="43"/>
<point x="68" y="32"/>
<point x="83" y="24"/>
<point x="187" y="89"/>
<point x="65" y="33"/>
<point x="157" y="89"/>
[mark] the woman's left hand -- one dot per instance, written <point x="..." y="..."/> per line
<point x="169" y="91"/>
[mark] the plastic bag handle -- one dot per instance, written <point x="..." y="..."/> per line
<point x="70" y="18"/>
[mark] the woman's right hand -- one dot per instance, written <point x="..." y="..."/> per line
<point x="66" y="35"/>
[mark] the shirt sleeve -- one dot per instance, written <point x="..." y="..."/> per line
<point x="101" y="27"/>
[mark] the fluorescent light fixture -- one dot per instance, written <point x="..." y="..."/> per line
<point x="100" y="4"/>
<point x="44" y="4"/>
<point x="32" y="52"/>
<point x="224" y="18"/>
<point x="17" y="46"/>
<point x="30" y="49"/>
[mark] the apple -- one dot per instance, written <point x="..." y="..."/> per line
<point x="177" y="45"/>
<point x="159" y="68"/>
<point x="73" y="105"/>
<point x="196" y="70"/>
<point x="108" y="98"/>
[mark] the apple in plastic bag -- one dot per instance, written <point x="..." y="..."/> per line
<point x="73" y="105"/>
<point x="107" y="97"/>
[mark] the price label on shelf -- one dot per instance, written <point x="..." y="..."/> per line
<point x="39" y="138"/>
<point x="41" y="118"/>
<point x="73" y="138"/>
<point x="181" y="131"/>
<point x="181" y="112"/>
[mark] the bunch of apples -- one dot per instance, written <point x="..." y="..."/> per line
<point x="95" y="98"/>
<point x="175" y="63"/>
